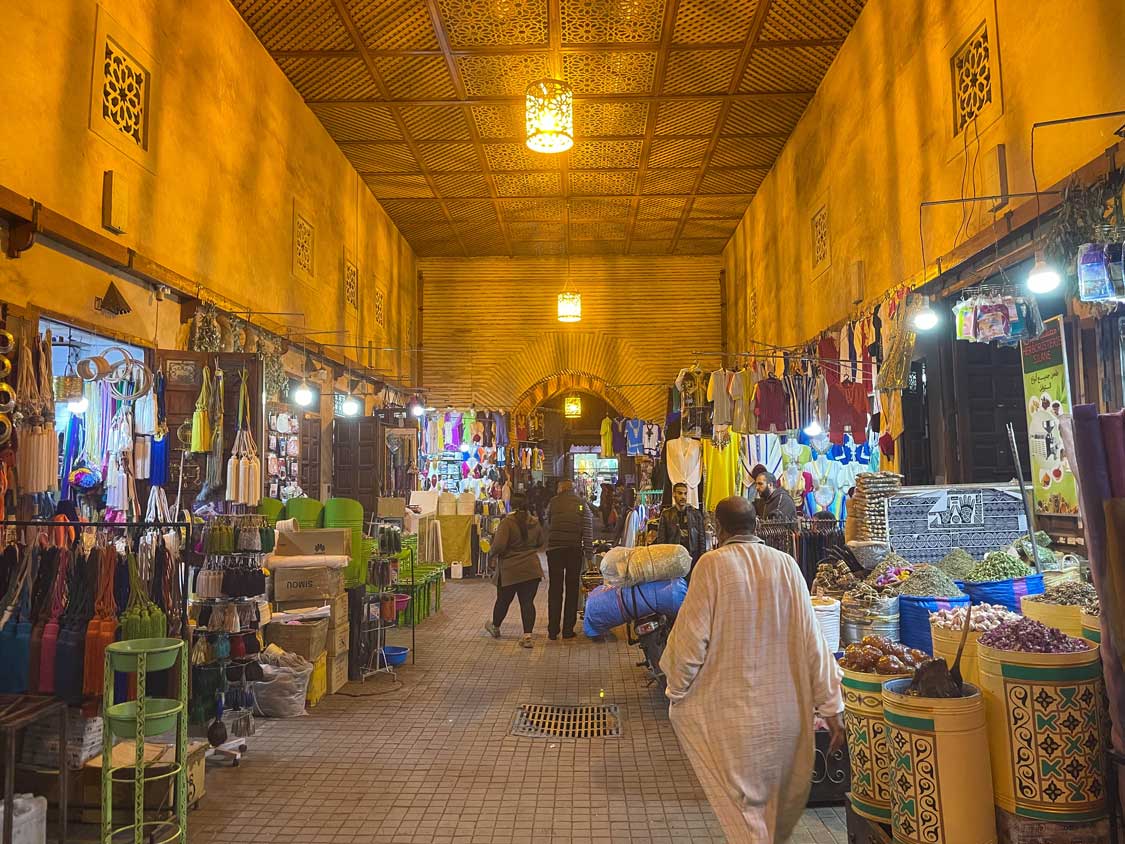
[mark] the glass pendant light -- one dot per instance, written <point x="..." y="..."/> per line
<point x="570" y="306"/>
<point x="572" y="407"/>
<point x="550" y="116"/>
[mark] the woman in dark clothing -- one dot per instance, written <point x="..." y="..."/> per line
<point x="516" y="548"/>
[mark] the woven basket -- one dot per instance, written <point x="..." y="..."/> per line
<point x="869" y="554"/>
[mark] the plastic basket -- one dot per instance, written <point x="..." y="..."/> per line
<point x="318" y="682"/>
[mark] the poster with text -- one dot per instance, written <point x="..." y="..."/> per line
<point x="1046" y="385"/>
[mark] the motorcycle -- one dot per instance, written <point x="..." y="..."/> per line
<point x="650" y="634"/>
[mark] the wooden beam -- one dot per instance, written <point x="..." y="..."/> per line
<point x="384" y="92"/>
<point x="752" y="40"/>
<point x="760" y="97"/>
<point x="667" y="31"/>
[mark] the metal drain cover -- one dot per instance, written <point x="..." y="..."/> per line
<point x="540" y="720"/>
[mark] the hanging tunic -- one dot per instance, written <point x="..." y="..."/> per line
<point x="722" y="475"/>
<point x="607" y="437"/>
<point x="684" y="457"/>
<point x="744" y="715"/>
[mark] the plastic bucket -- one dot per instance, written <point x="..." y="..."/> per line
<point x="1007" y="593"/>
<point x="914" y="618"/>
<point x="305" y="510"/>
<point x="1046" y="733"/>
<point x="392" y="655"/>
<point x="1092" y="627"/>
<point x="1067" y="618"/>
<point x="940" y="790"/>
<point x="946" y="643"/>
<point x="867" y="744"/>
<point x="878" y="618"/>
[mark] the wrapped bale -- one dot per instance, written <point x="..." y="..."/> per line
<point x="611" y="606"/>
<point x="645" y="564"/>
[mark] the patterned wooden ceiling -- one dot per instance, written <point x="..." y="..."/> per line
<point x="681" y="107"/>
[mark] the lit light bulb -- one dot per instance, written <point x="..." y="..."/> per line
<point x="77" y="408"/>
<point x="1043" y="278"/>
<point x="303" y="395"/>
<point x="813" y="429"/>
<point x="926" y="319"/>
<point x="417" y="409"/>
<point x="350" y="406"/>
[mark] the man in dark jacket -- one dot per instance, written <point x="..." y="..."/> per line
<point x="773" y="503"/>
<point x="570" y="534"/>
<point x="682" y="524"/>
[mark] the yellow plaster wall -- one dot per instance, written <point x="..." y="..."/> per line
<point x="877" y="140"/>
<point x="232" y="148"/>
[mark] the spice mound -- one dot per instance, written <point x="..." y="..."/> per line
<point x="1092" y="607"/>
<point x="879" y="655"/>
<point x="957" y="563"/>
<point x="889" y="573"/>
<point x="998" y="565"/>
<point x="1030" y="636"/>
<point x="985" y="617"/>
<point x="1067" y="594"/>
<point x="929" y="582"/>
<point x="933" y="679"/>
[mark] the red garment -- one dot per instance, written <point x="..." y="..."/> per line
<point x="887" y="445"/>
<point x="847" y="407"/>
<point x="771" y="405"/>
<point x="829" y="355"/>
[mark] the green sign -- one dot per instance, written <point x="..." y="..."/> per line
<point x="1046" y="385"/>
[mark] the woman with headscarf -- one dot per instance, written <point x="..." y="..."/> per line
<point x="516" y="548"/>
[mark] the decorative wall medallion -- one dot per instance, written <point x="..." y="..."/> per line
<point x="304" y="243"/>
<point x="125" y="83"/>
<point x="971" y="67"/>
<point x="351" y="285"/>
<point x="378" y="302"/>
<point x="821" y="253"/>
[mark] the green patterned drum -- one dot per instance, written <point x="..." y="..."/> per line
<point x="867" y="744"/>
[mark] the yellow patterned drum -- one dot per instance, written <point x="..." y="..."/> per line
<point x="1066" y="618"/>
<point x="1046" y="732"/>
<point x="946" y="643"/>
<point x="941" y="787"/>
<point x="1092" y="627"/>
<point x="867" y="743"/>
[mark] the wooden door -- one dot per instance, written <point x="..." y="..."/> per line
<point x="356" y="451"/>
<point x="183" y="374"/>
<point x="916" y="428"/>
<point x="990" y="393"/>
<point x="309" y="475"/>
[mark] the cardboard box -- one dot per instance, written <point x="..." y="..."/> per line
<point x="337" y="608"/>
<point x="158" y="793"/>
<point x="305" y="638"/>
<point x="337" y="672"/>
<point x="338" y="636"/>
<point x="330" y="542"/>
<point x="391" y="508"/>
<point x="307" y="583"/>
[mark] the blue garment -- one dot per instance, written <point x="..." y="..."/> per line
<point x="634" y="437"/>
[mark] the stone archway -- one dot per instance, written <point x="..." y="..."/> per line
<point x="553" y="385"/>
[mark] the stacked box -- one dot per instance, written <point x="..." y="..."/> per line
<point x="309" y="589"/>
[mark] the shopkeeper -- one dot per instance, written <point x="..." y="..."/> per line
<point x="772" y="503"/>
<point x="682" y="524"/>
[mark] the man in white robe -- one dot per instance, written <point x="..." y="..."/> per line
<point x="747" y="667"/>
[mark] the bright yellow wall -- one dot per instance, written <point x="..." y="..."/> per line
<point x="233" y="147"/>
<point x="491" y="330"/>
<point x="877" y="140"/>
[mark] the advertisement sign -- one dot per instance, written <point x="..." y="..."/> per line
<point x="1046" y="385"/>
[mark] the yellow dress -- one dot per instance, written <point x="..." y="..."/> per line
<point x="722" y="471"/>
<point x="607" y="437"/>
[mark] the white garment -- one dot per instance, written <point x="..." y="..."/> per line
<point x="744" y="715"/>
<point x="763" y="449"/>
<point x="633" y="523"/>
<point x="652" y="439"/>
<point x="718" y="392"/>
<point x="684" y="457"/>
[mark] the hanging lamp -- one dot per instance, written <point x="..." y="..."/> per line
<point x="549" y="116"/>
<point x="570" y="301"/>
<point x="572" y="407"/>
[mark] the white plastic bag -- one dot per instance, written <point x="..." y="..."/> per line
<point x="282" y="693"/>
<point x="645" y="564"/>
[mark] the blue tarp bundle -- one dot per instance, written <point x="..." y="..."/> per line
<point x="610" y="606"/>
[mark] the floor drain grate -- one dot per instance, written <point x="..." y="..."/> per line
<point x="540" y="720"/>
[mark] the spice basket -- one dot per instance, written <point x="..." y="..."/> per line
<point x="1046" y="732"/>
<point x="869" y="554"/>
<point x="869" y="618"/>
<point x="941" y="790"/>
<point x="1092" y="627"/>
<point x="1067" y="618"/>
<point x="1006" y="593"/>
<point x="868" y="752"/>
<point x="946" y="643"/>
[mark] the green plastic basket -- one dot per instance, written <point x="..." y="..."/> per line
<point x="305" y="510"/>
<point x="160" y="717"/>
<point x="160" y="653"/>
<point x="343" y="512"/>
<point x="270" y="508"/>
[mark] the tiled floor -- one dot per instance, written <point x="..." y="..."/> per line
<point x="433" y="762"/>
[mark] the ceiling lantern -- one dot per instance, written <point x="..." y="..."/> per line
<point x="550" y="116"/>
<point x="572" y="407"/>
<point x="570" y="306"/>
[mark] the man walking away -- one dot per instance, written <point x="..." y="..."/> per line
<point x="570" y="533"/>
<point x="773" y="502"/>
<point x="682" y="524"/>
<point x="744" y="714"/>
